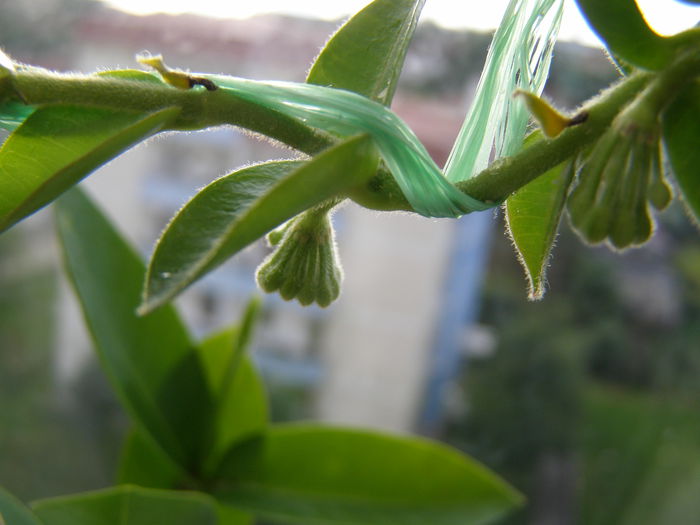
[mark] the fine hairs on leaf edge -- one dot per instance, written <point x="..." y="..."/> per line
<point x="146" y="307"/>
<point x="534" y="293"/>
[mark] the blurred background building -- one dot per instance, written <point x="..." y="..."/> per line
<point x="587" y="400"/>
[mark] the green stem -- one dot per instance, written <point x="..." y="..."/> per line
<point x="654" y="89"/>
<point x="200" y="108"/>
<point x="506" y="176"/>
<point x="502" y="178"/>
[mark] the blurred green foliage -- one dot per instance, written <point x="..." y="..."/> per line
<point x="592" y="380"/>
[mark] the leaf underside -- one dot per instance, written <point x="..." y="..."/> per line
<point x="237" y="209"/>
<point x="56" y="146"/>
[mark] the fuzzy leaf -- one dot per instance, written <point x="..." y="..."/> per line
<point x="622" y="28"/>
<point x="316" y="474"/>
<point x="57" y="146"/>
<point x="533" y="214"/>
<point x="237" y="209"/>
<point x="366" y="54"/>
<point x="681" y="129"/>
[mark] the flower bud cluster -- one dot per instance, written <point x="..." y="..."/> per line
<point x="618" y="178"/>
<point x="304" y="265"/>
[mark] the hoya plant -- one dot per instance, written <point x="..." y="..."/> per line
<point x="201" y="449"/>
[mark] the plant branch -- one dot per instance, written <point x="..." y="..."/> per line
<point x="200" y="108"/>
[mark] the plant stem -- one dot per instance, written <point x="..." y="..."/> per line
<point x="203" y="109"/>
<point x="200" y="108"/>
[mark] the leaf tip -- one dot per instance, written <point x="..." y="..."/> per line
<point x="535" y="290"/>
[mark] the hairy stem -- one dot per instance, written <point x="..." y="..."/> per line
<point x="202" y="108"/>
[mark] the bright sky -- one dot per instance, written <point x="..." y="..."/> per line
<point x="665" y="16"/>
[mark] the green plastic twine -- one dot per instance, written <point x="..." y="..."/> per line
<point x="519" y="57"/>
<point x="12" y="114"/>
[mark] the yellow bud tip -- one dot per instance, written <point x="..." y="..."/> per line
<point x="175" y="78"/>
<point x="155" y="62"/>
<point x="549" y="119"/>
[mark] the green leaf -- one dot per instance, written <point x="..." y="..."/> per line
<point x="622" y="28"/>
<point x="366" y="54"/>
<point x="59" y="145"/>
<point x="315" y="474"/>
<point x="240" y="411"/>
<point x="681" y="129"/>
<point x="128" y="505"/>
<point x="237" y="209"/>
<point x="13" y="511"/>
<point x="149" y="360"/>
<point x="241" y="403"/>
<point x="232" y="516"/>
<point x="533" y="214"/>
<point x="144" y="463"/>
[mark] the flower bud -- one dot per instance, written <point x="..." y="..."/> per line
<point x="660" y="192"/>
<point x="620" y="176"/>
<point x="275" y="236"/>
<point x="304" y="265"/>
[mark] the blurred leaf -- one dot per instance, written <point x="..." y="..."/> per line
<point x="240" y="411"/>
<point x="144" y="463"/>
<point x="128" y="505"/>
<point x="669" y="492"/>
<point x="59" y="145"/>
<point x="533" y="214"/>
<point x="237" y="209"/>
<point x="621" y="443"/>
<point x="366" y="54"/>
<point x="13" y="511"/>
<point x="150" y="361"/>
<point x="241" y="403"/>
<point x="681" y="129"/>
<point x="315" y="474"/>
<point x="622" y="28"/>
<point x="232" y="516"/>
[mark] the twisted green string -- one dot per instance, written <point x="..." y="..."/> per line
<point x="12" y="114"/>
<point x="519" y="57"/>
